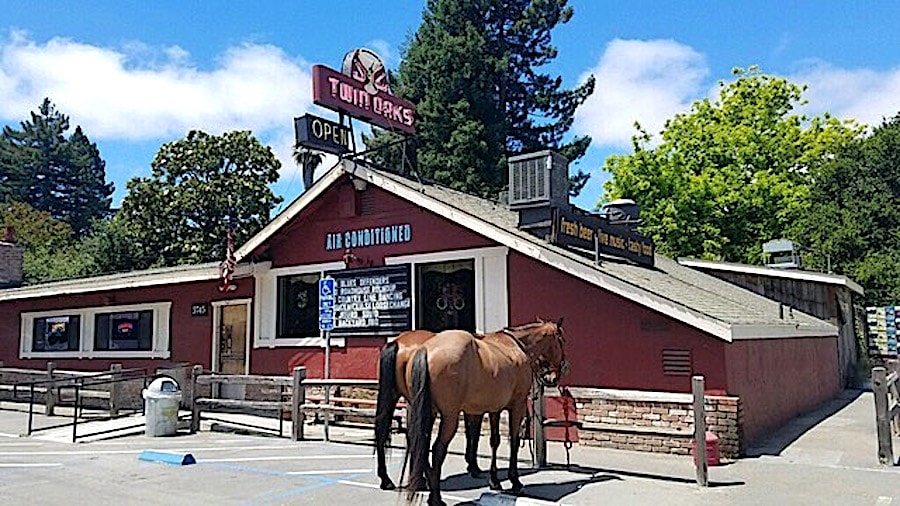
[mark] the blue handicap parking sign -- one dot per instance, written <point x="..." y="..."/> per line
<point x="326" y="288"/>
<point x="326" y="325"/>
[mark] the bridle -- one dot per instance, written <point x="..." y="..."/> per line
<point x="540" y="368"/>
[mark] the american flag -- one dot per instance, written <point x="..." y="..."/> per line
<point x="227" y="267"/>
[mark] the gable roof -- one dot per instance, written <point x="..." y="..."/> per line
<point x="700" y="300"/>
<point x="814" y="277"/>
<point x="134" y="279"/>
<point x="697" y="299"/>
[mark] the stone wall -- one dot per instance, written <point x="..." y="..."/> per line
<point x="658" y="422"/>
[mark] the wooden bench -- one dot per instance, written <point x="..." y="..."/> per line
<point x="349" y="406"/>
<point x="200" y="404"/>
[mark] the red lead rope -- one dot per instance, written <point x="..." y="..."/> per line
<point x="565" y="395"/>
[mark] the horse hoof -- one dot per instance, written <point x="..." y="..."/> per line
<point x="496" y="486"/>
<point x="474" y="471"/>
<point x="387" y="485"/>
<point x="517" y="489"/>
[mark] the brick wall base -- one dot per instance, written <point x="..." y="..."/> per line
<point x="657" y="422"/>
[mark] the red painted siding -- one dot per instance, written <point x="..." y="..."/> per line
<point x="778" y="379"/>
<point x="611" y="341"/>
<point x="303" y="242"/>
<point x="342" y="209"/>
<point x="191" y="336"/>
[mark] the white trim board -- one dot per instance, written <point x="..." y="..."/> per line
<point x="815" y="277"/>
<point x="136" y="279"/>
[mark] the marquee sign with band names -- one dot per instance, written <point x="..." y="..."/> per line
<point x="372" y="301"/>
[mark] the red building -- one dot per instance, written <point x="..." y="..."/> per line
<point x="459" y="262"/>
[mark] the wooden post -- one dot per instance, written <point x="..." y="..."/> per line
<point x="115" y="373"/>
<point x="882" y="417"/>
<point x="50" y="395"/>
<point x="298" y="399"/>
<point x="698" y="388"/>
<point x="197" y="370"/>
<point x="537" y="424"/>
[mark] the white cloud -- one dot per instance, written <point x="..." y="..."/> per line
<point x="644" y="81"/>
<point x="115" y="96"/>
<point x="865" y="95"/>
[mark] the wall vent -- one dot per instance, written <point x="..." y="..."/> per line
<point x="367" y="203"/>
<point x="677" y="362"/>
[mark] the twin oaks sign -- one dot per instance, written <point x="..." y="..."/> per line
<point x="361" y="90"/>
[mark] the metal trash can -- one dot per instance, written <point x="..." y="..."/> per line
<point x="161" y="400"/>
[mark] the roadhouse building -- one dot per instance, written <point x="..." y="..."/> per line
<point x="410" y="255"/>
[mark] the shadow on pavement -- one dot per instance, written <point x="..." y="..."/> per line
<point x="777" y="441"/>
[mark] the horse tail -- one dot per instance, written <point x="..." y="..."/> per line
<point x="421" y="420"/>
<point x="387" y="392"/>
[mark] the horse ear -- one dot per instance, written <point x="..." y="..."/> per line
<point x="559" y="323"/>
<point x="538" y="319"/>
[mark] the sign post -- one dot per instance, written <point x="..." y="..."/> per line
<point x="326" y="317"/>
<point x="326" y="325"/>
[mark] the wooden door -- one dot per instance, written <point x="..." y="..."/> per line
<point x="232" y="338"/>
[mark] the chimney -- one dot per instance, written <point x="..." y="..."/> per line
<point x="10" y="260"/>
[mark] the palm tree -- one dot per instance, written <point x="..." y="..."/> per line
<point x="308" y="162"/>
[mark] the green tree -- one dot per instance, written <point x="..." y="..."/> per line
<point x="854" y="218"/>
<point x="51" y="250"/>
<point x="730" y="174"/>
<point x="199" y="186"/>
<point x="308" y="162"/>
<point x="472" y="68"/>
<point x="64" y="176"/>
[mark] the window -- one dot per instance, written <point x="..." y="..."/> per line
<point x="298" y="306"/>
<point x="459" y="288"/>
<point x="445" y="295"/>
<point x="132" y="330"/>
<point x="127" y="331"/>
<point x="56" y="333"/>
<point x="286" y="306"/>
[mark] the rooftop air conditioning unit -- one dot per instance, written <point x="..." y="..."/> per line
<point x="538" y="179"/>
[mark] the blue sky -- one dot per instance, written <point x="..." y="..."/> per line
<point x="138" y="74"/>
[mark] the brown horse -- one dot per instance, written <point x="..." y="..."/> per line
<point x="392" y="384"/>
<point x="455" y="371"/>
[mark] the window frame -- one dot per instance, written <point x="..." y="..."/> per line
<point x="160" y="341"/>
<point x="491" y="281"/>
<point x="265" y="305"/>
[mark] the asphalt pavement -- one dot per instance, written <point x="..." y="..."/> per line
<point x="826" y="457"/>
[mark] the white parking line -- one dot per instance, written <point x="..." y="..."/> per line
<point x="5" y="434"/>
<point x="423" y="494"/>
<point x="135" y="452"/>
<point x="287" y="457"/>
<point x="29" y="464"/>
<point x="883" y="501"/>
<point x="330" y="471"/>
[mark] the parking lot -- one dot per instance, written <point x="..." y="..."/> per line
<point x="834" y="462"/>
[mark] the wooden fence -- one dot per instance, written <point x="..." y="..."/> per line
<point x="293" y="397"/>
<point x="887" y="411"/>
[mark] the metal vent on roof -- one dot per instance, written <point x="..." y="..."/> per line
<point x="677" y="362"/>
<point x="538" y="179"/>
